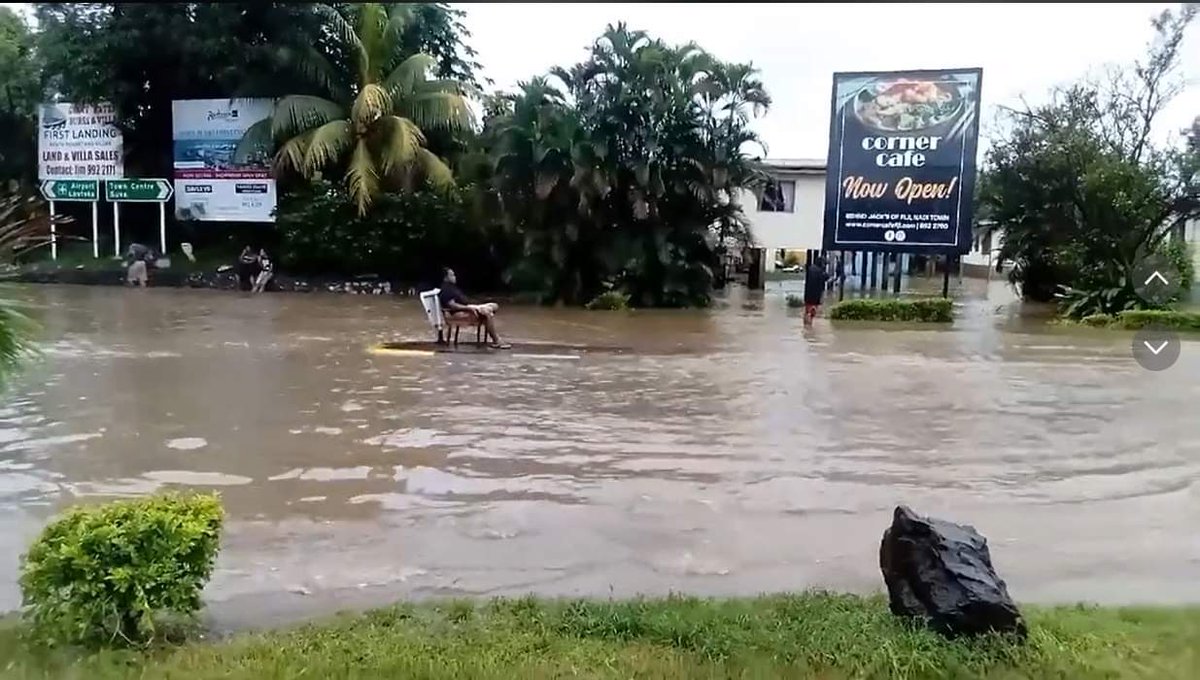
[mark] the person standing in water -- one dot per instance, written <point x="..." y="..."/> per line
<point x="815" y="277"/>
<point x="266" y="270"/>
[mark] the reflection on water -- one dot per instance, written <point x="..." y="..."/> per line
<point x="726" y="451"/>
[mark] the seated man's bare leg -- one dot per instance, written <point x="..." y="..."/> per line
<point x="489" y="324"/>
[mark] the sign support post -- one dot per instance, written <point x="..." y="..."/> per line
<point x="53" y="234"/>
<point x="95" y="232"/>
<point x="147" y="190"/>
<point x="117" y="229"/>
<point x="162" y="228"/>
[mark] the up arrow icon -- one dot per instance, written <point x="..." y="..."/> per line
<point x="1161" y="279"/>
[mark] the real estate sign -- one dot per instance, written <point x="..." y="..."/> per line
<point x="79" y="141"/>
<point x="211" y="184"/>
<point x="901" y="169"/>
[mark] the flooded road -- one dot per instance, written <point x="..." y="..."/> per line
<point x="722" y="452"/>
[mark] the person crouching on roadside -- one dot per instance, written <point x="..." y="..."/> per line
<point x="136" y="267"/>
<point x="247" y="269"/>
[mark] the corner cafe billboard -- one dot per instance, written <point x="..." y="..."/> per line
<point x="902" y="161"/>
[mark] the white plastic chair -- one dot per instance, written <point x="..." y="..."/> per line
<point x="432" y="305"/>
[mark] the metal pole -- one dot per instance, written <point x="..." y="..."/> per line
<point x="162" y="228"/>
<point x="842" y="278"/>
<point x="874" y="264"/>
<point x="896" y="278"/>
<point x="862" y="270"/>
<point x="117" y="229"/>
<point x="95" y="230"/>
<point x="53" y="233"/>
<point x="946" y="279"/>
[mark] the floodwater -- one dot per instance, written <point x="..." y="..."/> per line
<point x="727" y="451"/>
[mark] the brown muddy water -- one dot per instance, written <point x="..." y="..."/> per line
<point x="727" y="451"/>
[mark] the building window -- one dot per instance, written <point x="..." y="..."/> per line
<point x="778" y="196"/>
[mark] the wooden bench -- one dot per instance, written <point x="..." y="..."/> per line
<point x="448" y="324"/>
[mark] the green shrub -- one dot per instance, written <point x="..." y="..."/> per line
<point x="1098" y="320"/>
<point x="100" y="574"/>
<point x="930" y="310"/>
<point x="406" y="237"/>
<point x="1163" y="318"/>
<point x="611" y="300"/>
<point x="794" y="301"/>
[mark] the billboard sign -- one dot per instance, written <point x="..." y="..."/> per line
<point x="209" y="185"/>
<point x="79" y="141"/>
<point x="901" y="169"/>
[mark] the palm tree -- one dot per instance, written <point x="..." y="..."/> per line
<point x="618" y="175"/>
<point x="373" y="130"/>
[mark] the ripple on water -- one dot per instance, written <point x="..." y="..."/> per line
<point x="324" y="474"/>
<point x="418" y="438"/>
<point x="46" y="442"/>
<point x="196" y="478"/>
<point x="187" y="443"/>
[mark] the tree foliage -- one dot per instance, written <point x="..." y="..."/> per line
<point x="618" y="173"/>
<point x="1079" y="187"/>
<point x="19" y="95"/>
<point x="371" y="127"/>
<point x="142" y="56"/>
<point x="406" y="238"/>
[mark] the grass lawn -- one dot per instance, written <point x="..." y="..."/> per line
<point x="794" y="636"/>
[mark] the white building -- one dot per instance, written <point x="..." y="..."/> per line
<point x="790" y="212"/>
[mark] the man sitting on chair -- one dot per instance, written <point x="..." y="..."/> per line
<point x="455" y="303"/>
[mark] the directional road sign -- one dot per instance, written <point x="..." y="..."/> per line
<point x="83" y="190"/>
<point x="137" y="190"/>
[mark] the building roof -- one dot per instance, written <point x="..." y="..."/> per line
<point x="805" y="165"/>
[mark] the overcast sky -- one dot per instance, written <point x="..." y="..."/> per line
<point x="1022" y="48"/>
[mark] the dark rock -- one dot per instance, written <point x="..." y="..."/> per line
<point x="942" y="572"/>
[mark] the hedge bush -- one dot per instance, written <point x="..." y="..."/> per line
<point x="611" y="300"/>
<point x="929" y="310"/>
<point x="1164" y="318"/>
<point x="406" y="237"/>
<point x="100" y="574"/>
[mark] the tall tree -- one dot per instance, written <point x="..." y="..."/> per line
<point x="142" y="56"/>
<point x="622" y="176"/>
<point x="1081" y="190"/>
<point x="19" y="95"/>
<point x="371" y="127"/>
